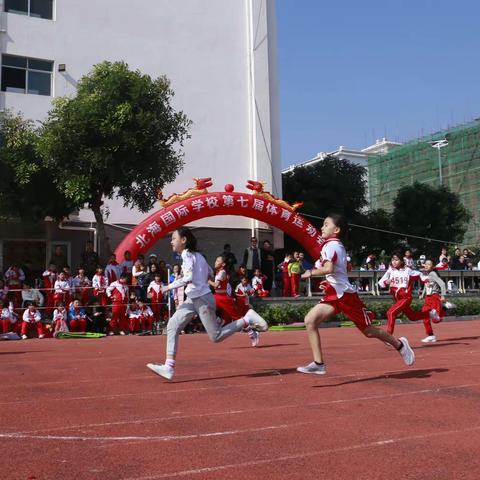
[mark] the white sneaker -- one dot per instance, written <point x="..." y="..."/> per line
<point x="406" y="352"/>
<point x="256" y="321"/>
<point x="313" y="368"/>
<point x="24" y="337"/>
<point x="111" y="334"/>
<point x="254" y="338"/>
<point x="122" y="332"/>
<point x="41" y="336"/>
<point x="449" y="305"/>
<point x="429" y="339"/>
<point x="434" y="316"/>
<point x="163" y="370"/>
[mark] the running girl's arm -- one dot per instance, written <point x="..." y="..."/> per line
<point x="325" y="269"/>
<point x="187" y="269"/>
<point x="385" y="280"/>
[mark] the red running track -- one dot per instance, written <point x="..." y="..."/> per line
<point x="89" y="409"/>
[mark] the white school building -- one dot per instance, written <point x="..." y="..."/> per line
<point x="220" y="58"/>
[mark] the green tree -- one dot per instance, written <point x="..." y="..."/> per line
<point x="329" y="185"/>
<point x="27" y="189"/>
<point x="119" y="136"/>
<point x="431" y="212"/>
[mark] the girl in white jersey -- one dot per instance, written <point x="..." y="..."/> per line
<point x="200" y="301"/>
<point x="341" y="297"/>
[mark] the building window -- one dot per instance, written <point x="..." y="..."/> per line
<point x="26" y="75"/>
<point x="33" y="8"/>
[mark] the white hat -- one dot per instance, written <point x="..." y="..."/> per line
<point x="152" y="255"/>
<point x="422" y="257"/>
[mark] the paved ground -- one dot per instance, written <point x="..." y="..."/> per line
<point x="89" y="409"/>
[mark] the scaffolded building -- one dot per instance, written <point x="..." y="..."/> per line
<point x="455" y="165"/>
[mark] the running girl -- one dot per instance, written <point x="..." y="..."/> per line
<point x="341" y="297"/>
<point x="199" y="302"/>
<point x="400" y="279"/>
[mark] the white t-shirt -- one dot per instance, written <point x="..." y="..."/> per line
<point x="334" y="251"/>
<point x="196" y="272"/>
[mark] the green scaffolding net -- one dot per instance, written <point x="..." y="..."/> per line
<point x="418" y="161"/>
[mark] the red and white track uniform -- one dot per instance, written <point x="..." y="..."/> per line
<point x="100" y="284"/>
<point x="339" y="292"/>
<point x="286" y="289"/>
<point x="113" y="272"/>
<point x="13" y="280"/>
<point x="227" y="306"/>
<point x="156" y="298"/>
<point x="62" y="292"/>
<point x="243" y="294"/>
<point x="257" y="285"/>
<point x="400" y="281"/>
<point x="117" y="292"/>
<point x="82" y="285"/>
<point x="8" y="320"/>
<point x="59" y="321"/>
<point x="32" y="320"/>
<point x="145" y="318"/>
<point x="49" y="278"/>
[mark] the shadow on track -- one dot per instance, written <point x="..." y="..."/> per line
<point x="266" y="373"/>
<point x="12" y="353"/>
<point x="268" y="346"/>
<point x="420" y="373"/>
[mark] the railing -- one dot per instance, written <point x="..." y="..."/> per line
<point x="465" y="281"/>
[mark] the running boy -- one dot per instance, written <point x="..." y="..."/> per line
<point x="199" y="302"/>
<point x="341" y="297"/>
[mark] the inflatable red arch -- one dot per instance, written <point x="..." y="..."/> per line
<point x="197" y="203"/>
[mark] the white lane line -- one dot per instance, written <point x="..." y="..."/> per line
<point x="163" y="438"/>
<point x="142" y="394"/>
<point x="285" y="458"/>
<point x="243" y="412"/>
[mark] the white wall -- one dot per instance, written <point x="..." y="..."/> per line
<point x="210" y="50"/>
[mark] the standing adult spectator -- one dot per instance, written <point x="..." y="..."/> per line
<point x="251" y="257"/>
<point x="59" y="259"/>
<point x="267" y="263"/>
<point x="230" y="259"/>
<point x="455" y="263"/>
<point x="90" y="260"/>
<point x="152" y="260"/>
<point x="468" y="254"/>
<point x="31" y="295"/>
<point x="139" y="270"/>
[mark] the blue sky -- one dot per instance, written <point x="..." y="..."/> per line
<point x="354" y="71"/>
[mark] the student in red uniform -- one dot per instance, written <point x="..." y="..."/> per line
<point x="32" y="319"/>
<point x="112" y="270"/>
<point x="62" y="289"/>
<point x="82" y="286"/>
<point x="8" y="318"/>
<point x="145" y="317"/>
<point x="228" y="308"/>
<point x="60" y="319"/>
<point x="100" y="284"/>
<point x="49" y="277"/>
<point x="400" y="279"/>
<point x="341" y="297"/>
<point x="258" y="280"/>
<point x="155" y="294"/>
<point x="283" y="267"/>
<point x="117" y="292"/>
<point x="77" y="318"/>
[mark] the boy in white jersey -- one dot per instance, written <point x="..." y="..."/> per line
<point x="200" y="301"/>
<point x="341" y="297"/>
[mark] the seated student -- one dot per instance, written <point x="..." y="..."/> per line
<point x="8" y="318"/>
<point x="133" y="314"/>
<point x="32" y="319"/>
<point x="77" y="318"/>
<point x="258" y="280"/>
<point x="60" y="319"/>
<point x="145" y="317"/>
<point x="244" y="291"/>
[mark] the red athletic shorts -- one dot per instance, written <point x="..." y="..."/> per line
<point x="351" y="306"/>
